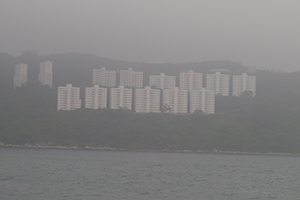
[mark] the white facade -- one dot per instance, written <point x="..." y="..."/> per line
<point x="190" y="80"/>
<point x="203" y="100"/>
<point x="120" y="97"/>
<point x="45" y="75"/>
<point x="130" y="78"/>
<point x="147" y="100"/>
<point x="95" y="97"/>
<point x="176" y="100"/>
<point x="219" y="83"/>
<point x="20" y="77"/>
<point x="162" y="81"/>
<point x="68" y="98"/>
<point x="243" y="83"/>
<point x="104" y="78"/>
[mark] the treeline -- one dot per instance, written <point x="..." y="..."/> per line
<point x="263" y="129"/>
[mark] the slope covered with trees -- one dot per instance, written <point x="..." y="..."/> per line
<point x="269" y="122"/>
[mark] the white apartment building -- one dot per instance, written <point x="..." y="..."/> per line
<point x="45" y="75"/>
<point x="162" y="81"/>
<point x="147" y="100"/>
<point x="68" y="98"/>
<point x="20" y="77"/>
<point x="203" y="100"/>
<point x="243" y="83"/>
<point x="176" y="100"/>
<point x="95" y="97"/>
<point x="104" y="78"/>
<point x="190" y="80"/>
<point x="120" y="97"/>
<point x="219" y="83"/>
<point x="130" y="78"/>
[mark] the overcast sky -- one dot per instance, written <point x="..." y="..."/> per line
<point x="261" y="33"/>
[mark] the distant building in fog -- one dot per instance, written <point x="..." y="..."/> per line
<point x="68" y="98"/>
<point x="104" y="78"/>
<point x="203" y="100"/>
<point x="162" y="81"/>
<point x="45" y="75"/>
<point x="243" y="83"/>
<point x="130" y="78"/>
<point x="120" y="97"/>
<point x="190" y="80"/>
<point x="147" y="100"/>
<point x="175" y="100"/>
<point x="219" y="83"/>
<point x="20" y="77"/>
<point x="95" y="97"/>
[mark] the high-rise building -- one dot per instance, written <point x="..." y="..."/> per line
<point x="175" y="100"/>
<point x="219" y="83"/>
<point x="68" y="98"/>
<point x="120" y="97"/>
<point x="45" y="74"/>
<point x="162" y="81"/>
<point x="95" y="97"/>
<point x="190" y="80"/>
<point x="203" y="100"/>
<point x="147" y="100"/>
<point x="243" y="83"/>
<point x="20" y="77"/>
<point x="130" y="78"/>
<point x="104" y="78"/>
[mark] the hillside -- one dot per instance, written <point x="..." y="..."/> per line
<point x="268" y="122"/>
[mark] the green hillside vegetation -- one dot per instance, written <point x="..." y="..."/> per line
<point x="269" y="122"/>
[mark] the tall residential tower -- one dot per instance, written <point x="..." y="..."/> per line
<point x="203" y="100"/>
<point x="104" y="78"/>
<point x="120" y="97"/>
<point x="20" y="77"/>
<point x="45" y="74"/>
<point x="68" y="97"/>
<point x="219" y="83"/>
<point x="175" y="100"/>
<point x="147" y="100"/>
<point x="243" y="83"/>
<point x="95" y="97"/>
<point x="162" y="81"/>
<point x="190" y="80"/>
<point x="130" y="78"/>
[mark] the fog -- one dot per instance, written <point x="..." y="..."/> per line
<point x="260" y="33"/>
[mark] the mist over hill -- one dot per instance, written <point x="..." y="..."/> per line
<point x="77" y="68"/>
<point x="268" y="122"/>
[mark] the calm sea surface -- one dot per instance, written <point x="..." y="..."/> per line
<point x="27" y="174"/>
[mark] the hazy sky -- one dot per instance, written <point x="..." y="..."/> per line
<point x="262" y="33"/>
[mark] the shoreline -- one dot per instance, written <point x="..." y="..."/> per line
<point x="27" y="146"/>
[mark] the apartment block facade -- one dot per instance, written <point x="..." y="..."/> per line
<point x="104" y="78"/>
<point x="121" y="97"/>
<point x="20" y="76"/>
<point x="45" y="74"/>
<point x="243" y="83"/>
<point x="175" y="100"/>
<point x="162" y="81"/>
<point x="130" y="78"/>
<point x="190" y="80"/>
<point x="219" y="83"/>
<point x="95" y="97"/>
<point x="147" y="100"/>
<point x="68" y="98"/>
<point x="203" y="100"/>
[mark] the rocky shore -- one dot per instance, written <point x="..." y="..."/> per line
<point x="43" y="146"/>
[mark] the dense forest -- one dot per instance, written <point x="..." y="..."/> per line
<point x="267" y="123"/>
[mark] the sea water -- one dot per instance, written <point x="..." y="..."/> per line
<point x="27" y="174"/>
